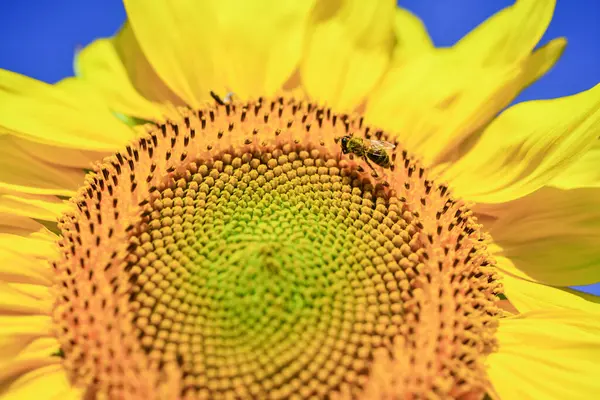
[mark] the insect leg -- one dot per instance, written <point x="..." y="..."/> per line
<point x="375" y="174"/>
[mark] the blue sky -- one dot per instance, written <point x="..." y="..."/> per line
<point x="39" y="37"/>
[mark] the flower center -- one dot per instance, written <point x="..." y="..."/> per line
<point x="235" y="254"/>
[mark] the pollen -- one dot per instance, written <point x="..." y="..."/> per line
<point x="235" y="253"/>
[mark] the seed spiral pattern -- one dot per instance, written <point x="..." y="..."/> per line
<point x="233" y="253"/>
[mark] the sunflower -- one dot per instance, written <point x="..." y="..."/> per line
<point x="179" y="221"/>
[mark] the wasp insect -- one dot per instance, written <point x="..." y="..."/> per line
<point x="373" y="150"/>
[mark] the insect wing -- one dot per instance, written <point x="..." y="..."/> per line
<point x="378" y="147"/>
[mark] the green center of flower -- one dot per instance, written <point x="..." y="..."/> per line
<point x="235" y="253"/>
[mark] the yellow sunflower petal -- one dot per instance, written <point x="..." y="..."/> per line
<point x="26" y="347"/>
<point x="52" y="380"/>
<point x="23" y="235"/>
<point x="101" y="66"/>
<point x="22" y="172"/>
<point x="24" y="226"/>
<point x="412" y="38"/>
<point x="19" y="331"/>
<point x="550" y="354"/>
<point x="17" y="84"/>
<point x="510" y="34"/>
<point x="13" y="300"/>
<point x="248" y="47"/>
<point x="38" y="248"/>
<point x="80" y="159"/>
<point x="584" y="172"/>
<point x="348" y="49"/>
<point x="435" y="100"/>
<point x="50" y="114"/>
<point x="23" y="268"/>
<point x="530" y="296"/>
<point x="18" y="225"/>
<point x="48" y="208"/>
<point x="25" y="343"/>
<point x="80" y="93"/>
<point x="550" y="236"/>
<point x="542" y="60"/>
<point x="180" y="51"/>
<point x="261" y="43"/>
<point x="526" y="147"/>
<point x="40" y="292"/>
<point x="141" y="74"/>
<point x="43" y="234"/>
<point x="532" y="68"/>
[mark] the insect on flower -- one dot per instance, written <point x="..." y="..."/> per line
<point x="223" y="101"/>
<point x="367" y="149"/>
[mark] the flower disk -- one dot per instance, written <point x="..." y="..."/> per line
<point x="233" y="254"/>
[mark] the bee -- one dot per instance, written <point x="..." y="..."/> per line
<point x="220" y="101"/>
<point x="373" y="150"/>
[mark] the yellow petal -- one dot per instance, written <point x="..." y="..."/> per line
<point x="29" y="245"/>
<point x="21" y="172"/>
<point x="23" y="235"/>
<point x="584" y="172"/>
<point x="140" y="72"/>
<point x="181" y="52"/>
<point x="48" y="208"/>
<point x="348" y="49"/>
<point x="25" y="342"/>
<point x="549" y="354"/>
<point x="434" y="101"/>
<point x="18" y="333"/>
<point x="52" y="380"/>
<point x="251" y="48"/>
<point x="79" y="93"/>
<point x="510" y="34"/>
<point x="532" y="68"/>
<point x="260" y="43"/>
<point x="412" y="38"/>
<point x="17" y="84"/>
<point x="43" y="234"/>
<point x="100" y="65"/>
<point x="80" y="159"/>
<point x="39" y="292"/>
<point x="18" y="224"/>
<point x="54" y="115"/>
<point x="23" y="268"/>
<point x="25" y="348"/>
<point x="530" y="296"/>
<point x="542" y="60"/>
<point x="15" y="301"/>
<point x="550" y="236"/>
<point x="438" y="100"/>
<point x="526" y="147"/>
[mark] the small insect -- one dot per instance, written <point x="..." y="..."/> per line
<point x="367" y="149"/>
<point x="220" y="101"/>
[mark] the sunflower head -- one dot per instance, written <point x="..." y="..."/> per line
<point x="357" y="221"/>
<point x="250" y="259"/>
